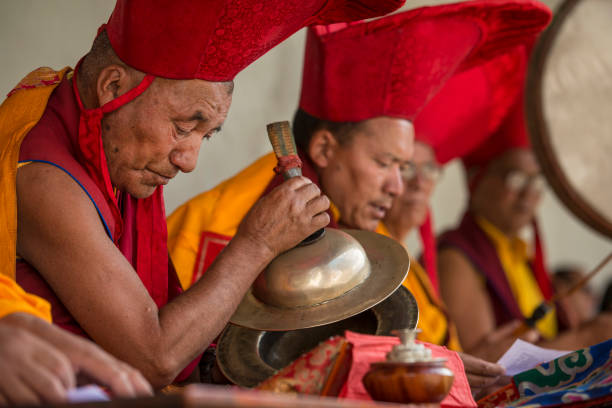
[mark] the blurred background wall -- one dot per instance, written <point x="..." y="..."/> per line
<point x="57" y="33"/>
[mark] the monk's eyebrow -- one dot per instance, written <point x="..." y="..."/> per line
<point x="394" y="158"/>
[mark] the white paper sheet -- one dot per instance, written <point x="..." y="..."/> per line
<point x="88" y="393"/>
<point x="523" y="356"/>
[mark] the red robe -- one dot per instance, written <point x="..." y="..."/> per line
<point x="54" y="140"/>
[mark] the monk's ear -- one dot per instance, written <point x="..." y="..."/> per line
<point x="322" y="148"/>
<point x="113" y="80"/>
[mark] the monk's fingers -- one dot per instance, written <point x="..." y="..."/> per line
<point x="58" y="365"/>
<point x="482" y="368"/>
<point x="320" y="220"/>
<point x="318" y="205"/>
<point x="47" y="385"/>
<point x="530" y="336"/>
<point x="504" y="332"/>
<point x="123" y="380"/>
<point x="15" y="391"/>
<point x="138" y="385"/>
<point x="296" y="183"/>
<point x="477" y="381"/>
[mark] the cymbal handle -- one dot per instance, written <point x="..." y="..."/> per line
<point x="289" y="163"/>
<point x="281" y="138"/>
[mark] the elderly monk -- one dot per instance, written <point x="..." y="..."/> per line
<point x="97" y="144"/>
<point x="39" y="362"/>
<point x="452" y="124"/>
<point x="487" y="275"/>
<point x="353" y="127"/>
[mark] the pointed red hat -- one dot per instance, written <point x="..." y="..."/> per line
<point x="392" y="66"/>
<point x="471" y="105"/>
<point x="215" y="39"/>
<point x="511" y="134"/>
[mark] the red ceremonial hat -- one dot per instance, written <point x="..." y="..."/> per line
<point x="511" y="134"/>
<point x="392" y="66"/>
<point x="214" y="40"/>
<point x="471" y="105"/>
<point x="468" y="108"/>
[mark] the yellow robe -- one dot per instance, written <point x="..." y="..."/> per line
<point x="512" y="253"/>
<point x="219" y="212"/>
<point x="13" y="299"/>
<point x="19" y="113"/>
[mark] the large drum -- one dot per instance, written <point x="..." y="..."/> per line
<point x="569" y="109"/>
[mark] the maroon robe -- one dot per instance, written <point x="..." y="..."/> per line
<point x="54" y="141"/>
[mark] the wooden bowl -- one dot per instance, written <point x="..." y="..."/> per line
<point x="408" y="382"/>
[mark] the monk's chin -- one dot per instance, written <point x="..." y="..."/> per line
<point x="141" y="191"/>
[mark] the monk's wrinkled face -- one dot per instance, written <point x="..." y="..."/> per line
<point x="510" y="191"/>
<point x="411" y="207"/>
<point x="149" y="140"/>
<point x="363" y="175"/>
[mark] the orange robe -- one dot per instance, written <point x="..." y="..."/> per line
<point x="199" y="229"/>
<point x="28" y="107"/>
<point x="13" y="299"/>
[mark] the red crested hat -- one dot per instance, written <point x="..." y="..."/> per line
<point x="392" y="66"/>
<point x="511" y="134"/>
<point x="214" y="40"/>
<point x="471" y="105"/>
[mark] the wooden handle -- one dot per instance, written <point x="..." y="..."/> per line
<point x="283" y="144"/>
<point x="289" y="163"/>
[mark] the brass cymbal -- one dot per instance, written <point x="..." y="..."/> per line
<point x="247" y="357"/>
<point x="340" y="275"/>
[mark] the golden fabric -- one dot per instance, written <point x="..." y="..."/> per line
<point x="512" y="253"/>
<point x="13" y="299"/>
<point x="433" y="322"/>
<point x="18" y="114"/>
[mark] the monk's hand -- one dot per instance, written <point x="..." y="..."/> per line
<point x="85" y="358"/>
<point x="285" y="216"/>
<point x="492" y="346"/>
<point x="33" y="371"/>
<point x="481" y="374"/>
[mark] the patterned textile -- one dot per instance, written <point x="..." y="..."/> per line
<point x="309" y="373"/>
<point x="579" y="379"/>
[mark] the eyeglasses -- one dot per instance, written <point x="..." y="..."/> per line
<point x="429" y="171"/>
<point x="517" y="180"/>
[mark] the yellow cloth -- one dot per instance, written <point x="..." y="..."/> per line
<point x="219" y="210"/>
<point x="433" y="322"/>
<point x="18" y="114"/>
<point x="13" y="299"/>
<point x="512" y="253"/>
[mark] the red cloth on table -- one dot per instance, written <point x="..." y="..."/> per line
<point x="370" y="349"/>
